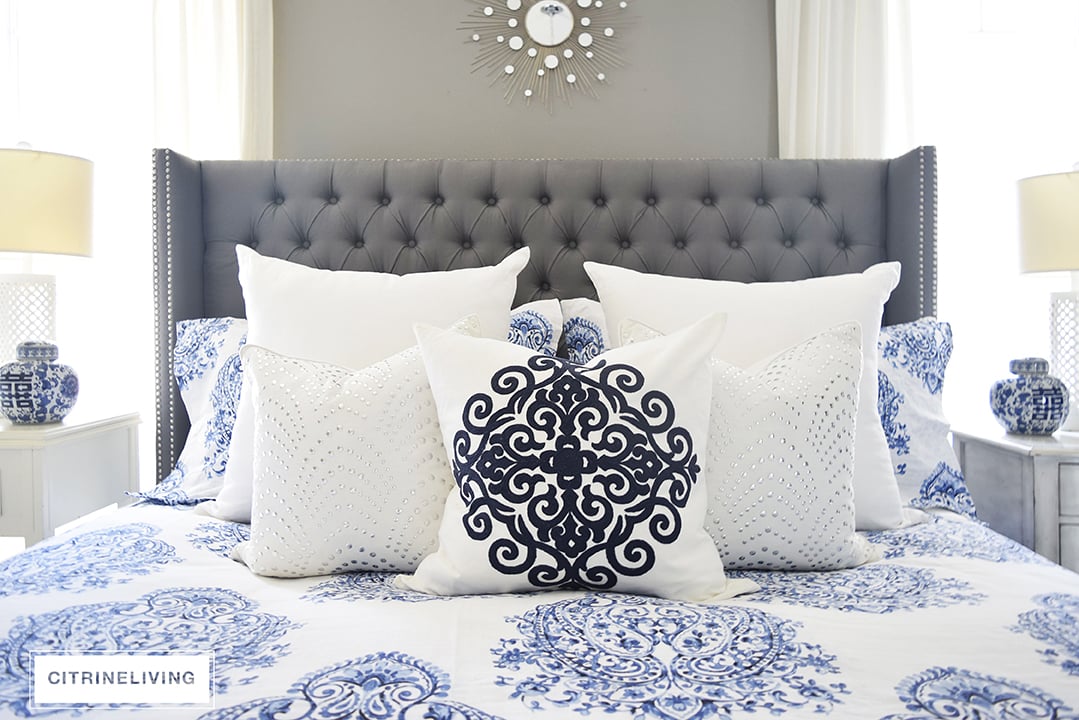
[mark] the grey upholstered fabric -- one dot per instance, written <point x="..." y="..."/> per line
<point x="745" y="220"/>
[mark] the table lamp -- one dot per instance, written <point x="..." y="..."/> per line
<point x="1049" y="241"/>
<point x="45" y="207"/>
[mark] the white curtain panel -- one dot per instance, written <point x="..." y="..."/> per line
<point x="843" y="77"/>
<point x="213" y="77"/>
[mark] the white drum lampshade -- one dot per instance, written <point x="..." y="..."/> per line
<point x="45" y="207"/>
<point x="1049" y="241"/>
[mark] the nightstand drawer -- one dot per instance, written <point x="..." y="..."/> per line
<point x="1069" y="547"/>
<point x="1069" y="489"/>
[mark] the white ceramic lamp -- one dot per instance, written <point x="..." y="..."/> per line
<point x="1049" y="241"/>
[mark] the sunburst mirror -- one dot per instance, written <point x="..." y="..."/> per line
<point x="547" y="49"/>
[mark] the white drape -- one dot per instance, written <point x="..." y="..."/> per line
<point x="108" y="80"/>
<point x="983" y="82"/>
<point x="213" y="77"/>
<point x="843" y="77"/>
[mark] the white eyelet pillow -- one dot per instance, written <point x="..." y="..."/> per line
<point x="781" y="456"/>
<point x="350" y="472"/>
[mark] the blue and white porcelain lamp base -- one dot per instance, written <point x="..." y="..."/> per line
<point x="35" y="389"/>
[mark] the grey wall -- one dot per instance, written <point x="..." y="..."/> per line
<point x="393" y="78"/>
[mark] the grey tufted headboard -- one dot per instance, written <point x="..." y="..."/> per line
<point x="746" y="220"/>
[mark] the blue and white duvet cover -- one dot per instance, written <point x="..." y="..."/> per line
<point x="955" y="622"/>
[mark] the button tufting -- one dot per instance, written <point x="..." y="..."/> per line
<point x="814" y="200"/>
<point x="841" y="243"/>
<point x="411" y="243"/>
<point x="492" y="200"/>
<point x="279" y="200"/>
<point x="254" y="243"/>
<point x="651" y="201"/>
<point x="707" y="201"/>
<point x="518" y="244"/>
<point x="332" y="200"/>
<point x="384" y="201"/>
<point x="545" y="286"/>
<point x="735" y="244"/>
<point x="438" y="200"/>
<point x="544" y="199"/>
<point x="305" y="244"/>
<point x="358" y="243"/>
<point x="624" y="244"/>
<point x="788" y="243"/>
<point x="680" y="244"/>
<point x="571" y="243"/>
<point x="760" y="201"/>
<point x="466" y="244"/>
<point x="600" y="202"/>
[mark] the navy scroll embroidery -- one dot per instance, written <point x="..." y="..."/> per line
<point x="581" y="467"/>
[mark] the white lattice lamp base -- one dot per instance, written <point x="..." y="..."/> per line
<point x="27" y="311"/>
<point x="1064" y="360"/>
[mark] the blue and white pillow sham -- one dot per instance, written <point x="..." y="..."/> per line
<point x="584" y="329"/>
<point x="913" y="359"/>
<point x="537" y="326"/>
<point x="206" y="362"/>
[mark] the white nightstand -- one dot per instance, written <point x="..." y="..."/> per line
<point x="1026" y="487"/>
<point x="53" y="474"/>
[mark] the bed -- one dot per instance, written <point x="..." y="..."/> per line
<point x="853" y="593"/>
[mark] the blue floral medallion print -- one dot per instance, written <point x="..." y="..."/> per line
<point x="582" y="475"/>
<point x="383" y="686"/>
<point x="197" y="345"/>
<point x="376" y="586"/>
<point x="219" y="537"/>
<point x="584" y="340"/>
<point x="922" y="348"/>
<point x="956" y="694"/>
<point x="170" y="491"/>
<point x="1056" y="623"/>
<point x="223" y="400"/>
<point x="532" y="330"/>
<point x="663" y="659"/>
<point x="87" y="561"/>
<point x="173" y="620"/>
<point x="949" y="538"/>
<point x="888" y="402"/>
<point x="879" y="588"/>
<point x="947" y="489"/>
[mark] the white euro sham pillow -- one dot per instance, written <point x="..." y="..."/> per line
<point x="765" y="318"/>
<point x="351" y="319"/>
<point x="574" y="476"/>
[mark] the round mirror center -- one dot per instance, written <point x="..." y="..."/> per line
<point x="549" y="22"/>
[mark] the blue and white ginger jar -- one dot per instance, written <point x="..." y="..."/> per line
<point x="36" y="389"/>
<point x="1031" y="403"/>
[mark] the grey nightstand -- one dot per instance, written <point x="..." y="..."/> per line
<point x="1026" y="487"/>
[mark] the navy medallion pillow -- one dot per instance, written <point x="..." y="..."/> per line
<point x="574" y="476"/>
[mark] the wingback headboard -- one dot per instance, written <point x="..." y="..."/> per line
<point x="745" y="220"/>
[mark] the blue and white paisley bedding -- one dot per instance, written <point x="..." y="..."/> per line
<point x="955" y="622"/>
